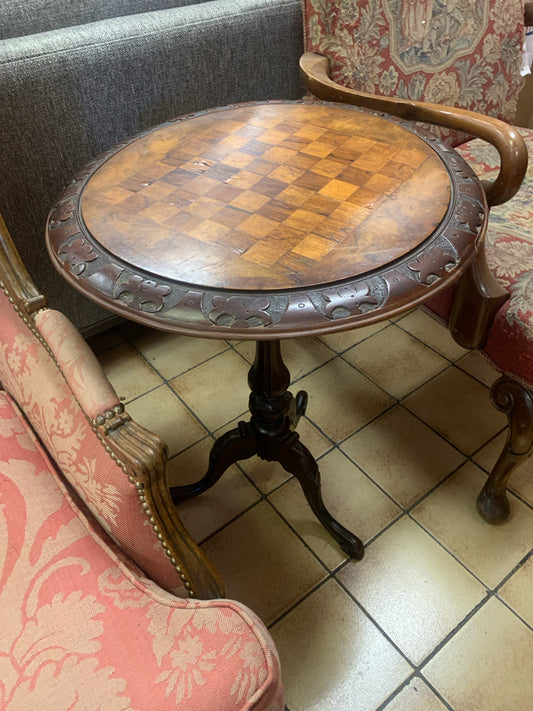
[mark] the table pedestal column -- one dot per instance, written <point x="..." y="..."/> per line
<point x="271" y="435"/>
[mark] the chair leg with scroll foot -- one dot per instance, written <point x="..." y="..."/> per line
<point x="516" y="401"/>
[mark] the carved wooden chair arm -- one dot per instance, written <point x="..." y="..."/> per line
<point x="506" y="139"/>
<point x="144" y="457"/>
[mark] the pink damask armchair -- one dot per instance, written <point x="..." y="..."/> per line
<point x="105" y="598"/>
<point x="455" y="66"/>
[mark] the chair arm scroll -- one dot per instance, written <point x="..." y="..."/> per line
<point x="506" y="139"/>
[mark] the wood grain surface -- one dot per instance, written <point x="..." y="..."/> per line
<point x="267" y="196"/>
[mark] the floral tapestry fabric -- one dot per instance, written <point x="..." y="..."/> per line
<point x="459" y="53"/>
<point x="509" y="250"/>
<point x="83" y="629"/>
<point x="36" y="383"/>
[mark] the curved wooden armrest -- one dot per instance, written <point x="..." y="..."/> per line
<point x="506" y="139"/>
<point x="145" y="455"/>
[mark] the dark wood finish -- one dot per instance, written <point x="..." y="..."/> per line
<point x="271" y="435"/>
<point x="506" y="139"/>
<point x="516" y="401"/>
<point x="528" y="14"/>
<point x="477" y="298"/>
<point x="142" y="454"/>
<point x="287" y="218"/>
<point x="265" y="221"/>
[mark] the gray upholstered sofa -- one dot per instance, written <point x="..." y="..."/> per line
<point x="77" y="76"/>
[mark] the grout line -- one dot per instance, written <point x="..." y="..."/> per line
<point x="405" y="511"/>
<point x="412" y="677"/>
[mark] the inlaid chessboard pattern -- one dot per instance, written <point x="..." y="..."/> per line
<point x="272" y="195"/>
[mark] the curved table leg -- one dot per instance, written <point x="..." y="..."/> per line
<point x="295" y="458"/>
<point x="231" y="447"/>
<point x="270" y="434"/>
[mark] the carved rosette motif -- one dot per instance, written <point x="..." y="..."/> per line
<point x="191" y="309"/>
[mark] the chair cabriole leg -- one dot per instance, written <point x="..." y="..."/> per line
<point x="516" y="401"/>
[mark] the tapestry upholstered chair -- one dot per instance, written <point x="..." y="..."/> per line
<point x="105" y="598"/>
<point x="454" y="65"/>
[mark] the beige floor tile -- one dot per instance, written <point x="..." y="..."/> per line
<point x="434" y="334"/>
<point x="217" y="391"/>
<point x="268" y="475"/>
<point x="349" y="496"/>
<point x="190" y="465"/>
<point x="458" y="407"/>
<point x="415" y="696"/>
<point x="172" y="355"/>
<point x="263" y="563"/>
<point x="300" y="355"/>
<point x="395" y="361"/>
<point x="490" y="552"/>
<point x="128" y="372"/>
<point x="521" y="480"/>
<point x="412" y="588"/>
<point x="488" y="664"/>
<point x="333" y="657"/>
<point x="229" y="497"/>
<point x="341" y="400"/>
<point x="402" y="455"/>
<point x="518" y="591"/>
<point x="340" y="342"/>
<point x="161" y="412"/>
<point x="478" y="367"/>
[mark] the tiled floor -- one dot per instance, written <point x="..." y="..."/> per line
<point x="439" y="614"/>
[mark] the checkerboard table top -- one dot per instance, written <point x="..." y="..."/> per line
<point x="267" y="196"/>
<point x="258" y="198"/>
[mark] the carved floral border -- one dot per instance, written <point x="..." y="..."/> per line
<point x="177" y="306"/>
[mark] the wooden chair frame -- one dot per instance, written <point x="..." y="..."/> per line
<point x="478" y="296"/>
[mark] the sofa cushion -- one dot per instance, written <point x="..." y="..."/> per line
<point x="466" y="54"/>
<point x="69" y="94"/>
<point x="32" y="16"/>
<point x="85" y="628"/>
<point x="509" y="250"/>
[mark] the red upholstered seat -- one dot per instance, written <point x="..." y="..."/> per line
<point x="83" y="625"/>
<point x="95" y="566"/>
